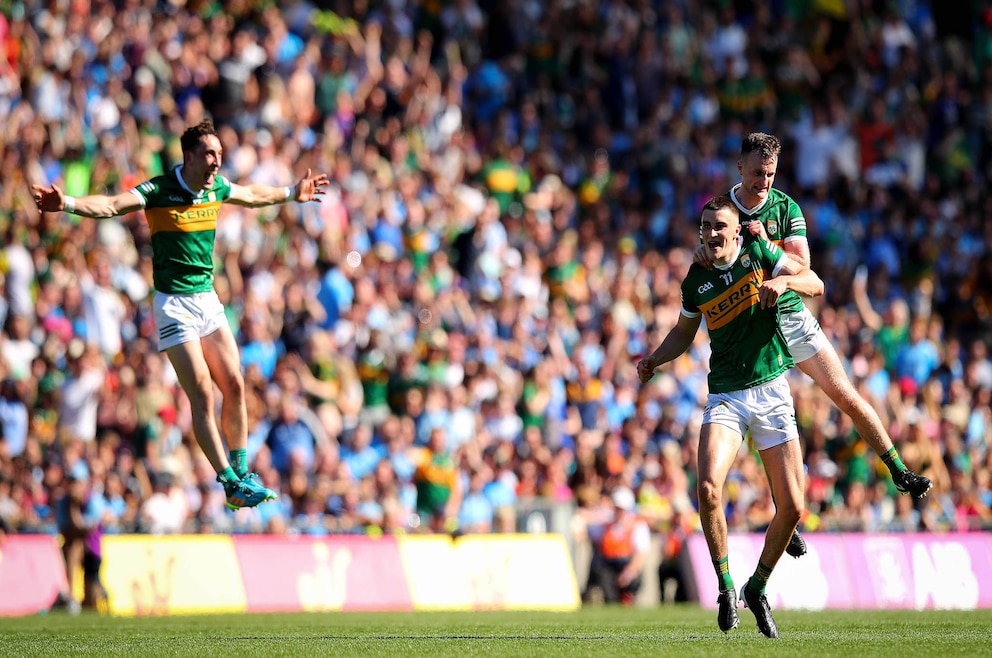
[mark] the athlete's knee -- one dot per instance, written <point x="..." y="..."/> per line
<point x="200" y="393"/>
<point x="790" y="510"/>
<point x="234" y="386"/>
<point x="710" y="493"/>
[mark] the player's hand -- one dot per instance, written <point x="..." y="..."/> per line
<point x="702" y="256"/>
<point x="311" y="187"/>
<point x="757" y="229"/>
<point x="48" y="200"/>
<point x="771" y="290"/>
<point x="645" y="369"/>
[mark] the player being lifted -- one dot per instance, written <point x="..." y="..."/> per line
<point x="181" y="208"/>
<point x="748" y="392"/>
<point x="771" y="214"/>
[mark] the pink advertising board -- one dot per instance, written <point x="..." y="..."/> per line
<point x="32" y="574"/>
<point x="340" y="572"/>
<point x="862" y="571"/>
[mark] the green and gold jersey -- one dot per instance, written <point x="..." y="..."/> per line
<point x="434" y="479"/>
<point x="182" y="225"/>
<point x="783" y="220"/>
<point x="748" y="347"/>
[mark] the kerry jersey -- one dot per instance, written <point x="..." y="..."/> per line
<point x="182" y="224"/>
<point x="748" y="347"/>
<point x="782" y="219"/>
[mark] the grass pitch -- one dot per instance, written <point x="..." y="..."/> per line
<point x="680" y="630"/>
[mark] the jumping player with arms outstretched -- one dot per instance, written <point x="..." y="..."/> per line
<point x="181" y="208"/>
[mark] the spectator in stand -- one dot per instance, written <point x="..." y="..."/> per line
<point x="291" y="439"/>
<point x="439" y="487"/>
<point x="620" y="549"/>
<point x="80" y="522"/>
<point x="404" y="124"/>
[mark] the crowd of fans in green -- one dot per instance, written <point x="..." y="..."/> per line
<point x="515" y="198"/>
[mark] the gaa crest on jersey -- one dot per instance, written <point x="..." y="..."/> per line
<point x="746" y="260"/>
<point x="772" y="227"/>
<point x="212" y="196"/>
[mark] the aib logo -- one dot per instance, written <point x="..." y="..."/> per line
<point x="151" y="591"/>
<point x="326" y="587"/>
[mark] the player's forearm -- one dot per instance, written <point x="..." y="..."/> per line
<point x="260" y="196"/>
<point x="96" y="206"/>
<point x="673" y="346"/>
<point x="806" y="283"/>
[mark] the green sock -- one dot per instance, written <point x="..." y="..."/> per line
<point x="228" y="475"/>
<point x="891" y="459"/>
<point x="759" y="579"/>
<point x="722" y="567"/>
<point x="239" y="462"/>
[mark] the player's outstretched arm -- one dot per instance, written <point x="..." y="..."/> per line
<point x="675" y="343"/>
<point x="98" y="206"/>
<point x="309" y="188"/>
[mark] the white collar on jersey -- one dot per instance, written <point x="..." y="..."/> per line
<point x="737" y="252"/>
<point x="746" y="211"/>
<point x="182" y="182"/>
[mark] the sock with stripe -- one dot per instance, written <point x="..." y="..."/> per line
<point x="759" y="579"/>
<point x="892" y="461"/>
<point x="722" y="567"/>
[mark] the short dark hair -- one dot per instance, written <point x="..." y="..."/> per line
<point x="767" y="146"/>
<point x="192" y="136"/>
<point x="721" y="202"/>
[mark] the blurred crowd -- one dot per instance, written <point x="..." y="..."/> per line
<point x="515" y="195"/>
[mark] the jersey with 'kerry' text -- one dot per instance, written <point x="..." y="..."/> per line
<point x="182" y="224"/>
<point x="782" y="219"/>
<point x="748" y="347"/>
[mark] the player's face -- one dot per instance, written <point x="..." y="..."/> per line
<point x="719" y="229"/>
<point x="203" y="163"/>
<point x="757" y="177"/>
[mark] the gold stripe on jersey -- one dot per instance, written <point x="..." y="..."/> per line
<point x="737" y="299"/>
<point x="187" y="219"/>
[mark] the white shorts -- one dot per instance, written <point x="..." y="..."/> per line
<point x="185" y="318"/>
<point x="803" y="333"/>
<point x="766" y="410"/>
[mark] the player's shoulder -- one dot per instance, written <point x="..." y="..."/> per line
<point x="221" y="181"/>
<point x="697" y="271"/>
<point x="777" y="196"/>
<point x="158" y="184"/>
<point x="761" y="248"/>
<point x="221" y="189"/>
<point x="696" y="279"/>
